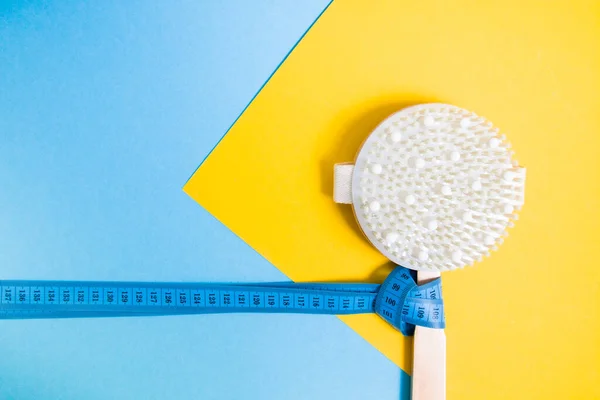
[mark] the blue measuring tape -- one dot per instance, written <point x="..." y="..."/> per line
<point x="398" y="300"/>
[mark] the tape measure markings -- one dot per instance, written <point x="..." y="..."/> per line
<point x="398" y="300"/>
<point x="96" y="296"/>
<point x="403" y="304"/>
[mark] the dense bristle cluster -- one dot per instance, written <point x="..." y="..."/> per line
<point x="435" y="187"/>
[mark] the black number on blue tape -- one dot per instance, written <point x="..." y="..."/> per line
<point x="346" y="303"/>
<point x="66" y="295"/>
<point x="124" y="296"/>
<point x="168" y="297"/>
<point x="271" y="299"/>
<point x="81" y="297"/>
<point x="22" y="295"/>
<point x="301" y="301"/>
<point x="109" y="296"/>
<point x="242" y="299"/>
<point x="226" y="299"/>
<point x="154" y="296"/>
<point x="198" y="299"/>
<point x="37" y="296"/>
<point x="95" y="296"/>
<point x="317" y="301"/>
<point x="360" y="303"/>
<point x="51" y="295"/>
<point x="286" y="300"/>
<point x="257" y="300"/>
<point x="139" y="296"/>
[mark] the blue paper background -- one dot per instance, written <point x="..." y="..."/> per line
<point x="106" y="108"/>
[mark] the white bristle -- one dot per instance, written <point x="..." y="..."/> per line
<point x="439" y="187"/>
<point x="391" y="237"/>
<point x="395" y="136"/>
<point x="374" y="206"/>
<point x="454" y="155"/>
<point x="376" y="169"/>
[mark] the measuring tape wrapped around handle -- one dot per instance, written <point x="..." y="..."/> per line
<point x="404" y="304"/>
<point x="398" y="300"/>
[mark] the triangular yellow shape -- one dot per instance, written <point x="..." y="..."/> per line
<point x="522" y="324"/>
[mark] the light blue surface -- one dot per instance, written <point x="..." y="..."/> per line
<point x="106" y="108"/>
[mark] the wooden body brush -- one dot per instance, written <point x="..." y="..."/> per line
<point x="434" y="188"/>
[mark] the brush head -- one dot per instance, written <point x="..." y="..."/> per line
<point x="435" y="187"/>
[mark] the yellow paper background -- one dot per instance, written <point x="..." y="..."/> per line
<point x="524" y="323"/>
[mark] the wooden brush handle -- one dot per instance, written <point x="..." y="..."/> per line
<point x="429" y="357"/>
